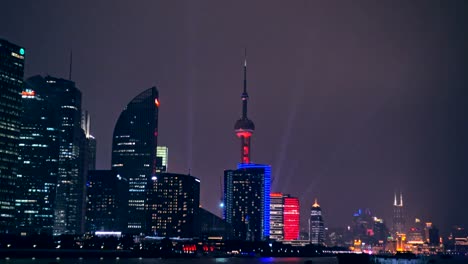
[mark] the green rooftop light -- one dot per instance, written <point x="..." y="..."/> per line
<point x="21" y="51"/>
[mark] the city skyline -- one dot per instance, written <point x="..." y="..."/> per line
<point x="373" y="112"/>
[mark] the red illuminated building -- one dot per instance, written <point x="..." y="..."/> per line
<point x="284" y="217"/>
<point x="244" y="127"/>
<point x="291" y="218"/>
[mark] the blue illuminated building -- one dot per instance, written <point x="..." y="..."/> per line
<point x="247" y="201"/>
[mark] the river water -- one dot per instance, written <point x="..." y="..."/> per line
<point x="325" y="260"/>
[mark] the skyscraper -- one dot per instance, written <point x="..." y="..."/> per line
<point x="173" y="201"/>
<point x="57" y="127"/>
<point x="11" y="84"/>
<point x="38" y="167"/>
<point x="134" y="154"/>
<point x="244" y="127"/>
<point x="316" y="225"/>
<point x="247" y="201"/>
<point x="398" y="216"/>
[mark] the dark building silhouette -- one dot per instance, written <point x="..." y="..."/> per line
<point x="53" y="177"/>
<point x="335" y="237"/>
<point x="92" y="148"/>
<point x="380" y="230"/>
<point x="368" y="228"/>
<point x="173" y="201"/>
<point x="104" y="188"/>
<point x="134" y="154"/>
<point x="210" y="225"/>
<point x="11" y="85"/>
<point x="247" y="201"/>
<point x="316" y="225"/>
<point x="362" y="226"/>
<point x="432" y="234"/>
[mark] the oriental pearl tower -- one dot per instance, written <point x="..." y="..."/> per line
<point x="244" y="127"/>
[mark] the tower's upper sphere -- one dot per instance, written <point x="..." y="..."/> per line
<point x="244" y="124"/>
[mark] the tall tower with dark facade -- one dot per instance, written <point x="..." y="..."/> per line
<point x="53" y="157"/>
<point x="38" y="168"/>
<point x="398" y="215"/>
<point x="11" y="85"/>
<point x="134" y="155"/>
<point x="316" y="225"/>
<point x="244" y="127"/>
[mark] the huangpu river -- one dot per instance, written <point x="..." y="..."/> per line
<point x="233" y="260"/>
<point x="325" y="260"/>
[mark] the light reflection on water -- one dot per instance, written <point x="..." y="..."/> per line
<point x="328" y="260"/>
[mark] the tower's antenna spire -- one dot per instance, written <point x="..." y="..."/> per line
<point x="245" y="96"/>
<point x="395" y="202"/>
<point x="71" y="64"/>
<point x="245" y="70"/>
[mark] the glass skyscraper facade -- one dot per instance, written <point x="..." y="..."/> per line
<point x="173" y="201"/>
<point x="134" y="155"/>
<point x="53" y="156"/>
<point x="247" y="201"/>
<point x="11" y="85"/>
<point x="38" y="163"/>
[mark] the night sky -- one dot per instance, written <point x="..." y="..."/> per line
<point x="352" y="100"/>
